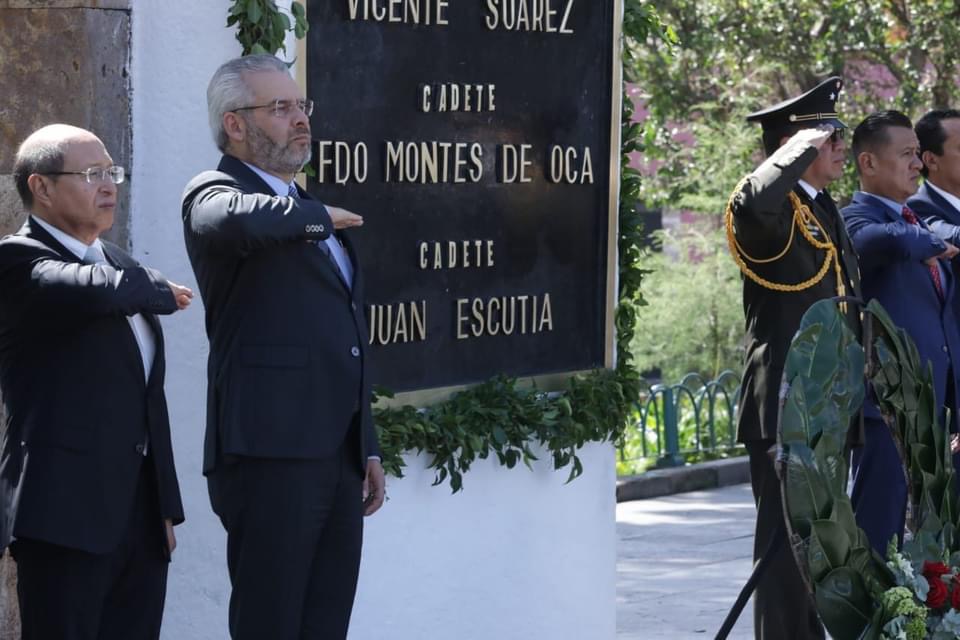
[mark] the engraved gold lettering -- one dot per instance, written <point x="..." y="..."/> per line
<point x="498" y="315"/>
<point x="546" y="16"/>
<point x="418" y="320"/>
<point x="433" y="162"/>
<point x="523" y="313"/>
<point x="570" y="166"/>
<point x="400" y="322"/>
<point x="493" y="322"/>
<point x="461" y="334"/>
<point x="415" y="12"/>
<point x="400" y="326"/>
<point x="509" y="314"/>
<point x="477" y="327"/>
<point x="546" y="314"/>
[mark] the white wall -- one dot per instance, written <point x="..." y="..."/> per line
<point x="518" y="554"/>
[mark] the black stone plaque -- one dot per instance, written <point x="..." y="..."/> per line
<point x="486" y="206"/>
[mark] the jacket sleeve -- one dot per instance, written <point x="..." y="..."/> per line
<point x="935" y="219"/>
<point x="944" y="230"/>
<point x="879" y="243"/>
<point x="41" y="285"/>
<point x="758" y="205"/>
<point x="764" y="190"/>
<point x="218" y="212"/>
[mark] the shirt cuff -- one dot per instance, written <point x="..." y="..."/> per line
<point x="377" y="458"/>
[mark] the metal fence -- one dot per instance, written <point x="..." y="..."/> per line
<point x="689" y="417"/>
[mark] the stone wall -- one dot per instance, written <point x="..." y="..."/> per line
<point x="60" y="61"/>
<point x="64" y="61"/>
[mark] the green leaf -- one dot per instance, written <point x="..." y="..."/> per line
<point x="806" y="492"/>
<point x="834" y="541"/>
<point x="254" y="11"/>
<point x="844" y="604"/>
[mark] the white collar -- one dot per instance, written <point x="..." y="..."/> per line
<point x="809" y="189"/>
<point x="76" y="247"/>
<point x="949" y="197"/>
<point x="279" y="187"/>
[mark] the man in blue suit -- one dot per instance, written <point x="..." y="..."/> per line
<point x="903" y="264"/>
<point x="937" y="201"/>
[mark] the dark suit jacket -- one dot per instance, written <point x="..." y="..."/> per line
<point x="891" y="255"/>
<point x="286" y="375"/>
<point x="74" y="392"/>
<point x="941" y="216"/>
<point x="943" y="220"/>
<point x="763" y="217"/>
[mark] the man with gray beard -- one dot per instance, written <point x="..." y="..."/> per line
<point x="290" y="453"/>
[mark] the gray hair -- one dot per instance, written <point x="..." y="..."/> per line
<point x="228" y="90"/>
<point x="36" y="156"/>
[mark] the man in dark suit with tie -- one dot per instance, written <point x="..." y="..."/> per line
<point x="905" y="267"/>
<point x="937" y="201"/>
<point x="788" y="240"/>
<point x="291" y="454"/>
<point x="87" y="481"/>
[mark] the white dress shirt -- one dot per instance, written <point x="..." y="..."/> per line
<point x="146" y="341"/>
<point x="806" y="186"/>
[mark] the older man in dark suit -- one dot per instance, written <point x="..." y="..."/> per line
<point x="87" y="482"/>
<point x="905" y="267"/>
<point x="290" y="453"/>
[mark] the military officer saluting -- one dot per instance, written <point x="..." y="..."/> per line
<point x="789" y="241"/>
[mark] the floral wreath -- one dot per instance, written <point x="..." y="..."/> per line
<point x="914" y="592"/>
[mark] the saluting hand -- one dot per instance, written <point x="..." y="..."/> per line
<point x="815" y="136"/>
<point x="343" y="219"/>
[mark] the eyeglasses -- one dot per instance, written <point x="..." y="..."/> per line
<point x="113" y="173"/>
<point x="283" y="108"/>
<point x="837" y="135"/>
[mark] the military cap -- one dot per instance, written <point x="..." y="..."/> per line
<point x="813" y="108"/>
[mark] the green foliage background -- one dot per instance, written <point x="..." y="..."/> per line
<point x="694" y="322"/>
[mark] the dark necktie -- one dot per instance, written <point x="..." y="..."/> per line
<point x="826" y="203"/>
<point x="322" y="244"/>
<point x="911" y="218"/>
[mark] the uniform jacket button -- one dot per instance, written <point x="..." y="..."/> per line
<point x="355" y="352"/>
<point x="139" y="448"/>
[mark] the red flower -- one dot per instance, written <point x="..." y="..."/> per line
<point x="955" y="592"/>
<point x="937" y="597"/>
<point x="934" y="569"/>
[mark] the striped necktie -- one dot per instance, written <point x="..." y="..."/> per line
<point x="911" y="218"/>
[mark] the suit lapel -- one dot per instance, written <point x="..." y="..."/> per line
<point x="941" y="203"/>
<point x="38" y="233"/>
